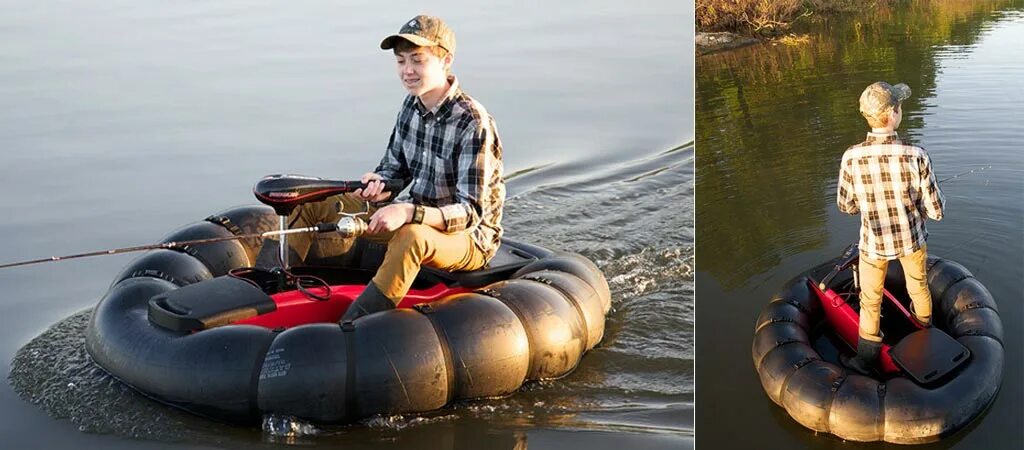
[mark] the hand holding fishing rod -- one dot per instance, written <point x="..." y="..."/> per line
<point x="286" y="192"/>
<point x="850" y="254"/>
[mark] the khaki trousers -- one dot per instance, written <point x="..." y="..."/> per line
<point x="872" y="279"/>
<point x="409" y="247"/>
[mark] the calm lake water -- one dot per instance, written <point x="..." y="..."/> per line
<point x="121" y="122"/>
<point x="772" y="124"/>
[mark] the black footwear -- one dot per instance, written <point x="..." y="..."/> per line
<point x="370" y="301"/>
<point x="866" y="358"/>
<point x="916" y="319"/>
<point x="920" y="322"/>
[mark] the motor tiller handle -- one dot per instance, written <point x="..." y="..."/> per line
<point x="285" y="192"/>
<point x="847" y="259"/>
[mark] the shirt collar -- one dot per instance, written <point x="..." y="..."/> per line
<point x="876" y="138"/>
<point x="445" y="103"/>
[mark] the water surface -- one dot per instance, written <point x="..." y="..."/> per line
<point x="123" y="121"/>
<point x="773" y="122"/>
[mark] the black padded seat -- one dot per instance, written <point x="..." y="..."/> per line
<point x="208" y="304"/>
<point x="929" y="354"/>
<point x="366" y="255"/>
<point x="511" y="256"/>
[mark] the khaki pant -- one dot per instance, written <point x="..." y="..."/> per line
<point x="872" y="279"/>
<point x="409" y="247"/>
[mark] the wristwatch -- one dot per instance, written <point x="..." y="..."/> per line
<point x="417" y="214"/>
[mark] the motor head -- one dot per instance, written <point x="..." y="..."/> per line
<point x="284" y="192"/>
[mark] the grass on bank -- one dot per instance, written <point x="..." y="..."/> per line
<point x="767" y="17"/>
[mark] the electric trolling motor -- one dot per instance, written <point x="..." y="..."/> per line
<point x="285" y="192"/>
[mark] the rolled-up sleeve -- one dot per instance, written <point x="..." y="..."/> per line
<point x="477" y="160"/>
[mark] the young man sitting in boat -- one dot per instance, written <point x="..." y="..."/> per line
<point x="893" y="188"/>
<point x="446" y="147"/>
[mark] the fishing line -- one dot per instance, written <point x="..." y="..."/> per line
<point x="964" y="173"/>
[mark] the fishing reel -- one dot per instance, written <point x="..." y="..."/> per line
<point x="285" y="192"/>
<point x="351" y="225"/>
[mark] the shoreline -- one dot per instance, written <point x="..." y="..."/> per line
<point x="708" y="43"/>
<point x="712" y="42"/>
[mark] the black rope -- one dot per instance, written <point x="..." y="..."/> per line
<point x="302" y="283"/>
<point x="297" y="280"/>
<point x="314" y="282"/>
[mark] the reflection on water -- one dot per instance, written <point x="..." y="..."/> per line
<point x="773" y="119"/>
<point x="772" y="123"/>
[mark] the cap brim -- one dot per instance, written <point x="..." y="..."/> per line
<point x="902" y="92"/>
<point x="389" y="42"/>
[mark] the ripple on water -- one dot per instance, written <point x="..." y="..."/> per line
<point x="55" y="372"/>
<point x="634" y="221"/>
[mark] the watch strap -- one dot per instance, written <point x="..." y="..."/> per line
<point x="418" y="213"/>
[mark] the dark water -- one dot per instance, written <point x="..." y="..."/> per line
<point x="772" y="125"/>
<point x="122" y="122"/>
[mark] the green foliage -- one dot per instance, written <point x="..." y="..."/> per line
<point x="773" y="121"/>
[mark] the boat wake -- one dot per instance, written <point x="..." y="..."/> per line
<point x="635" y="220"/>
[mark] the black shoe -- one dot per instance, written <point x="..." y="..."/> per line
<point x="917" y="320"/>
<point x="370" y="301"/>
<point x="923" y="324"/>
<point x="866" y="359"/>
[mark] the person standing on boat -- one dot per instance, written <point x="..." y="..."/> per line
<point x="893" y="188"/>
<point x="446" y="146"/>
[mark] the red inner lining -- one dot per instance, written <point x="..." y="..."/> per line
<point x="295" y="308"/>
<point x="846" y="322"/>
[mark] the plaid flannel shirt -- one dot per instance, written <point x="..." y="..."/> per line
<point x="892" y="186"/>
<point x="451" y="156"/>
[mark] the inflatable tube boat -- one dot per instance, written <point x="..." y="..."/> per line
<point x="930" y="382"/>
<point x="203" y="330"/>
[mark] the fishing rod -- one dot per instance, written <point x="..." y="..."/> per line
<point x="953" y="177"/>
<point x="849" y="256"/>
<point x="343" y="227"/>
<point x="282" y="192"/>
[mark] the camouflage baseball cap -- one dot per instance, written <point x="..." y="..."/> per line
<point x="424" y="31"/>
<point x="881" y="96"/>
